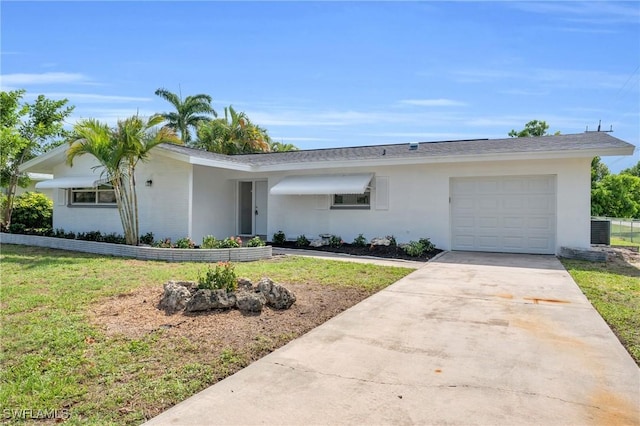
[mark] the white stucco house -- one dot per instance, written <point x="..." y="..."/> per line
<point x="523" y="195"/>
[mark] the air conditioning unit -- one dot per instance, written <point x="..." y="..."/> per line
<point x="600" y="231"/>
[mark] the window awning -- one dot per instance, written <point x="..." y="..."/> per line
<point x="323" y="184"/>
<point x="72" y="182"/>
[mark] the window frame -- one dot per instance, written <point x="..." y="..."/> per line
<point x="352" y="206"/>
<point x="96" y="191"/>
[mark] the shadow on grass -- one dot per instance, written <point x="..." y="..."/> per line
<point x="34" y="257"/>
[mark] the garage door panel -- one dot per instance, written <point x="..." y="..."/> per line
<point x="509" y="213"/>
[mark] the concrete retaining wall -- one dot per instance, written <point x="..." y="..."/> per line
<point x="245" y="254"/>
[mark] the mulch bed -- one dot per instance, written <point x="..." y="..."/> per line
<point x="387" y="252"/>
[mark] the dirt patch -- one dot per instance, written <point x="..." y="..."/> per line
<point x="620" y="256"/>
<point x="136" y="314"/>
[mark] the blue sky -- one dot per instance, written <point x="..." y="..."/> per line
<point x="326" y="74"/>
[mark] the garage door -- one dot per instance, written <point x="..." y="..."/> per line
<point x="515" y="214"/>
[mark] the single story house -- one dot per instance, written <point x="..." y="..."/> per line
<point x="521" y="195"/>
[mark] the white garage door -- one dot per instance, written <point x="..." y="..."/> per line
<point x="515" y="214"/>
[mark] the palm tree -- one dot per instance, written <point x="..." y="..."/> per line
<point x="282" y="147"/>
<point x="191" y="112"/>
<point x="118" y="150"/>
<point x="233" y="134"/>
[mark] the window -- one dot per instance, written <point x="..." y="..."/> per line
<point x="352" y="201"/>
<point x="100" y="196"/>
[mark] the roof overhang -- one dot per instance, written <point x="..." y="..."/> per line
<point x="323" y="184"/>
<point x="72" y="182"/>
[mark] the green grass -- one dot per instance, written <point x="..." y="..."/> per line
<point x="614" y="290"/>
<point x="53" y="358"/>
<point x="625" y="242"/>
<point x="620" y="232"/>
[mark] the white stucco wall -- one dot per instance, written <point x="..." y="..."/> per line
<point x="163" y="207"/>
<point x="419" y="202"/>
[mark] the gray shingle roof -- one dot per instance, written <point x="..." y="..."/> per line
<point x="574" y="142"/>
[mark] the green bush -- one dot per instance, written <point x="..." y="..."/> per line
<point x="335" y="241"/>
<point x="222" y="277"/>
<point x="360" y="241"/>
<point x="33" y="210"/>
<point x="185" y="243"/>
<point x="302" y="241"/>
<point x="210" y="242"/>
<point x="231" y="242"/>
<point x="147" y="238"/>
<point x="256" y="242"/>
<point x="418" y="248"/>
<point x="279" y="238"/>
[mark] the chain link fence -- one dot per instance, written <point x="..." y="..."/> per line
<point x="623" y="231"/>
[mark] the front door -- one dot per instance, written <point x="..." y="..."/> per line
<point x="252" y="208"/>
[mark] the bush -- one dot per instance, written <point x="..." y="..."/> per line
<point x="114" y="238"/>
<point x="256" y="242"/>
<point x="222" y="277"/>
<point x="360" y="241"/>
<point x="392" y="241"/>
<point x="166" y="243"/>
<point x="17" y="228"/>
<point x="335" y="241"/>
<point x="210" y="242"/>
<point x="279" y="238"/>
<point x="231" y="242"/>
<point x="33" y="210"/>
<point x="418" y="248"/>
<point x="302" y="241"/>
<point x="185" y="243"/>
<point x="147" y="238"/>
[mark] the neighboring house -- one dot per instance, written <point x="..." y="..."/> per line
<point x="524" y="195"/>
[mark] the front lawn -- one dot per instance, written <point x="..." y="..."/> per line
<point x="82" y="338"/>
<point x="613" y="288"/>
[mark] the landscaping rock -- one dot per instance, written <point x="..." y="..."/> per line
<point x="250" y="302"/>
<point x="175" y="297"/>
<point x="245" y="284"/>
<point x="380" y="241"/>
<point x="319" y="243"/>
<point x="205" y="300"/>
<point x="277" y="296"/>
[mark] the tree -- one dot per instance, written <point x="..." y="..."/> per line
<point x="616" y="196"/>
<point x="633" y="170"/>
<point x="598" y="171"/>
<point x="118" y="150"/>
<point x="282" y="147"/>
<point x="532" y="128"/>
<point x="191" y="112"/>
<point x="233" y="134"/>
<point x="28" y="130"/>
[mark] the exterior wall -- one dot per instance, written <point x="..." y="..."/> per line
<point x="163" y="207"/>
<point x="419" y="202"/>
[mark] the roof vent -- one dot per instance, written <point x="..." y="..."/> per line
<point x="413" y="146"/>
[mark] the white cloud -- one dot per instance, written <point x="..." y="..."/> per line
<point x="598" y="13"/>
<point x="432" y="102"/>
<point x="26" y="79"/>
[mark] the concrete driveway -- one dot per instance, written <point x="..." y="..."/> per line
<point x="470" y="338"/>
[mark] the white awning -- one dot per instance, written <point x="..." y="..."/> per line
<point x="72" y="182"/>
<point x="323" y="184"/>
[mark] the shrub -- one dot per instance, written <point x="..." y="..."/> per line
<point x="256" y="242"/>
<point x="114" y="238"/>
<point x="230" y="242"/>
<point x="166" y="243"/>
<point x="185" y="243"/>
<point x="69" y="235"/>
<point x="418" y="248"/>
<point x="33" y="210"/>
<point x="360" y="241"/>
<point x="210" y="242"/>
<point x="17" y="228"/>
<point x="90" y="236"/>
<point x="392" y="241"/>
<point x="302" y="241"/>
<point x="279" y="238"/>
<point x="335" y="241"/>
<point x="147" y="238"/>
<point x="222" y="277"/>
